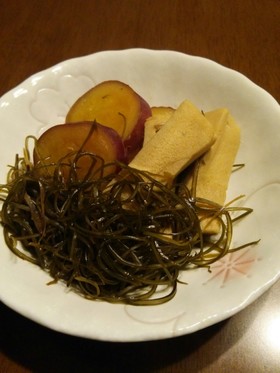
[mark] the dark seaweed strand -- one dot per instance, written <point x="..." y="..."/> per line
<point x="119" y="238"/>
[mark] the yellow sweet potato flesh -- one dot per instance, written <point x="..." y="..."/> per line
<point x="63" y="142"/>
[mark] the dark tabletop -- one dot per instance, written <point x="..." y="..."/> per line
<point x="243" y="35"/>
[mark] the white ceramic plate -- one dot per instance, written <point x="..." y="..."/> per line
<point x="162" y="78"/>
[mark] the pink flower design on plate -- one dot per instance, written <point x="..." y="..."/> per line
<point x="233" y="265"/>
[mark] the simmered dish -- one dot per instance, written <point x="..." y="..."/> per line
<point x="123" y="197"/>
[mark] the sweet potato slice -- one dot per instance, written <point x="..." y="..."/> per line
<point x="114" y="104"/>
<point x="160" y="115"/>
<point x="62" y="143"/>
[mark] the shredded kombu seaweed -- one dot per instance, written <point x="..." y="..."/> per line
<point x="120" y="238"/>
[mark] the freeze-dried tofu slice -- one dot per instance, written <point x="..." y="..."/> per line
<point x="216" y="165"/>
<point x="185" y="136"/>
